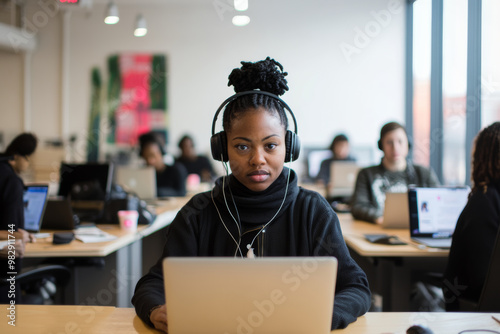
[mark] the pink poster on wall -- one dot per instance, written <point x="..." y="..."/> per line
<point x="140" y="91"/>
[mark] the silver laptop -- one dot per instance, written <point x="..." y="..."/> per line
<point x="140" y="180"/>
<point x="434" y="213"/>
<point x="343" y="176"/>
<point x="212" y="295"/>
<point x="396" y="213"/>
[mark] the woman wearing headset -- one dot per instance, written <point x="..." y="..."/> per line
<point x="394" y="174"/>
<point x="258" y="210"/>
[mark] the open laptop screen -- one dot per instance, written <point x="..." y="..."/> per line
<point x="434" y="211"/>
<point x="35" y="199"/>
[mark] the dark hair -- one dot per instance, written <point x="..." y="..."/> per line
<point x="24" y="144"/>
<point x="266" y="75"/>
<point x="338" y="139"/>
<point x="486" y="158"/>
<point x="183" y="139"/>
<point x="150" y="138"/>
<point x="391" y="126"/>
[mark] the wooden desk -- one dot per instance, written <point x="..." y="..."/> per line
<point x="106" y="273"/>
<point x="108" y="320"/>
<point x="390" y="268"/>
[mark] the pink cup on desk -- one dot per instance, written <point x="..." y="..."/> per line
<point x="128" y="220"/>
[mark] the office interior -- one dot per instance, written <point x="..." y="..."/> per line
<point x="353" y="66"/>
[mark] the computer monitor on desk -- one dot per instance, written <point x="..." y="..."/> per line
<point x="88" y="185"/>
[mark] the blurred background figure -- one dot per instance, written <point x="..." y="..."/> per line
<point x="170" y="180"/>
<point x="341" y="152"/>
<point x="14" y="161"/>
<point x="194" y="163"/>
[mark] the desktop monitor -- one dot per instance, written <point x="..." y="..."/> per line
<point x="86" y="182"/>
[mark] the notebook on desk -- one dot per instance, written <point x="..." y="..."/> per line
<point x="396" y="214"/>
<point x="434" y="213"/>
<point x="264" y="295"/>
<point x="35" y="200"/>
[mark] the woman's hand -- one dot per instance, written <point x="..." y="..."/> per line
<point x="159" y="318"/>
<point x="18" y="247"/>
<point x="25" y="235"/>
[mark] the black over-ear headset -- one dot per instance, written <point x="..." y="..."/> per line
<point x="218" y="141"/>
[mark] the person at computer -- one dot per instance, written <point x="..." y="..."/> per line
<point x="258" y="210"/>
<point x="340" y="152"/>
<point x="477" y="226"/>
<point x="14" y="161"/>
<point x="394" y="174"/>
<point x="170" y="179"/>
<point x="194" y="163"/>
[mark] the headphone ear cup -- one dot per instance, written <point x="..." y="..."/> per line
<point x="292" y="144"/>
<point x="218" y="145"/>
<point x="379" y="144"/>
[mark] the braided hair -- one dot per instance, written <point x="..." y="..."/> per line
<point x="486" y="158"/>
<point x="265" y="75"/>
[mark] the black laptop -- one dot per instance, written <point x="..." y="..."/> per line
<point x="434" y="213"/>
<point x="59" y="215"/>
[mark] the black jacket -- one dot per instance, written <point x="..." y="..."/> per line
<point x="11" y="198"/>
<point x="305" y="226"/>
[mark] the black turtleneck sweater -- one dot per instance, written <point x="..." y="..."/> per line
<point x="306" y="225"/>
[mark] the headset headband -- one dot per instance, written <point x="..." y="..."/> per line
<point x="249" y="92"/>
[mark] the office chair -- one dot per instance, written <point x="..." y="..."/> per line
<point x="489" y="301"/>
<point x="39" y="284"/>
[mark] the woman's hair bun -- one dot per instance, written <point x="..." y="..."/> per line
<point x="266" y="75"/>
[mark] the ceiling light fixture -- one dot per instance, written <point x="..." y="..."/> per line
<point x="241" y="5"/>
<point x="241" y="20"/>
<point x="111" y="14"/>
<point x="140" y="26"/>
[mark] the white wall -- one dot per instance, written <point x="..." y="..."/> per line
<point x="329" y="92"/>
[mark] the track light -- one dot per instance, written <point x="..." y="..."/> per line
<point x="241" y="5"/>
<point x="241" y="20"/>
<point x="111" y="14"/>
<point x="140" y="26"/>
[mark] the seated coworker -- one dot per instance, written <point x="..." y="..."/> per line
<point x="478" y="224"/>
<point x="194" y="163"/>
<point x="297" y="222"/>
<point x="170" y="180"/>
<point x="394" y="174"/>
<point x="340" y="149"/>
<point x="14" y="161"/>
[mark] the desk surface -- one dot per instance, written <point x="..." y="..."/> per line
<point x="100" y="319"/>
<point x="166" y="211"/>
<point x="353" y="231"/>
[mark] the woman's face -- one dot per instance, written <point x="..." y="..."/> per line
<point x="152" y="155"/>
<point x="256" y="148"/>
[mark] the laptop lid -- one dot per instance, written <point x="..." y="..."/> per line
<point x="140" y="180"/>
<point x="343" y="176"/>
<point x="59" y="215"/>
<point x="434" y="211"/>
<point x="264" y="295"/>
<point x="34" y="199"/>
<point x="396" y="213"/>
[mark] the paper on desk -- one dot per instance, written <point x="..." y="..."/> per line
<point x="93" y="234"/>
